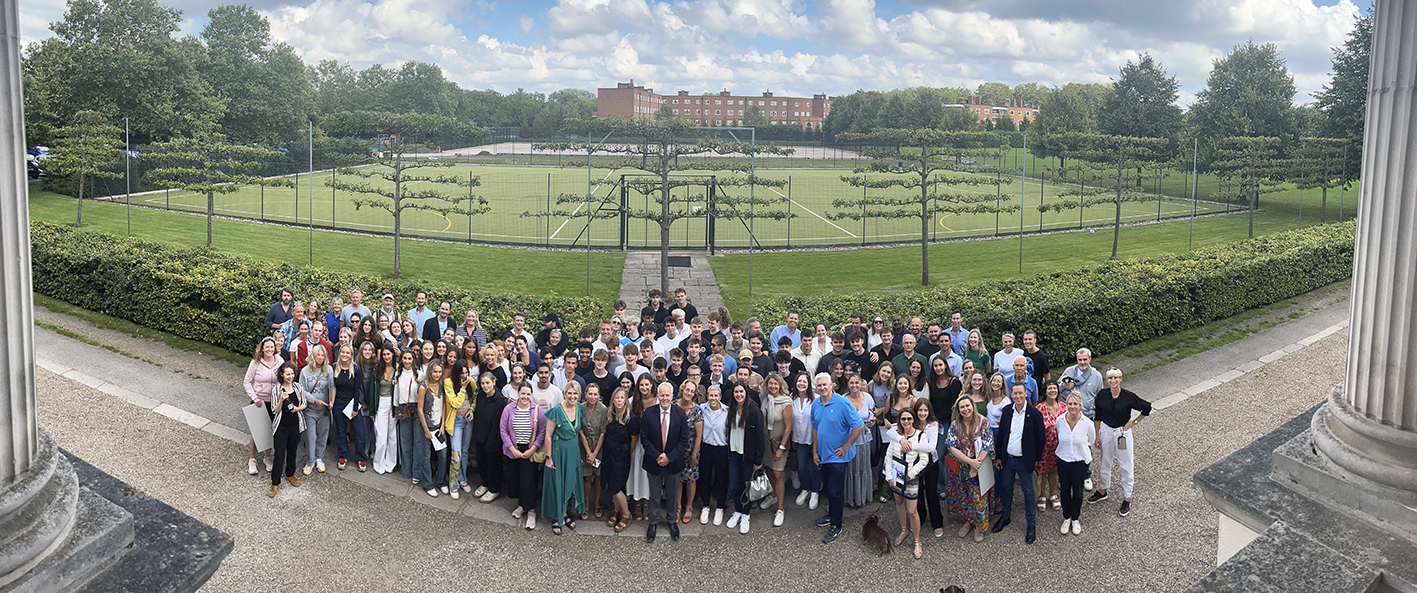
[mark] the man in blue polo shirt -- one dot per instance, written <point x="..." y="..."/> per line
<point x="788" y="330"/>
<point x="835" y="428"/>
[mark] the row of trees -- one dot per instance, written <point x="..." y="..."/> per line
<point x="119" y="59"/>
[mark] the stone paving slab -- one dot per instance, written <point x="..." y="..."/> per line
<point x="641" y="273"/>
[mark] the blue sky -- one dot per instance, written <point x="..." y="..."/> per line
<point x="789" y="46"/>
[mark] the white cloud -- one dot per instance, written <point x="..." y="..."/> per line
<point x="791" y="46"/>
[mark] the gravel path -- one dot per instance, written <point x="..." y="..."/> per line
<point x="390" y="544"/>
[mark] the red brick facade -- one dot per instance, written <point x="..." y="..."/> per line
<point x="718" y="109"/>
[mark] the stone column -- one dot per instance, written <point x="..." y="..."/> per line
<point x="19" y="433"/>
<point x="1368" y="429"/>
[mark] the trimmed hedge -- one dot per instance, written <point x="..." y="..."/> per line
<point x="1116" y="304"/>
<point x="222" y="299"/>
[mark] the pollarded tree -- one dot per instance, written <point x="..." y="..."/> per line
<point x="1118" y="156"/>
<point x="656" y="147"/>
<point x="1319" y="164"/>
<point x="1249" y="93"/>
<point x="86" y="148"/>
<point x="1345" y="98"/>
<point x="208" y="164"/>
<point x="384" y="181"/>
<point x="931" y="157"/>
<point x="1248" y="167"/>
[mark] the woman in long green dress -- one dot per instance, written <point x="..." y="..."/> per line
<point x="561" y="482"/>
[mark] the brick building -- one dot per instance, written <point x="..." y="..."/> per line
<point x="1014" y="109"/>
<point x="717" y="109"/>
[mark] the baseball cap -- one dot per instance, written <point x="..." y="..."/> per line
<point x="745" y="353"/>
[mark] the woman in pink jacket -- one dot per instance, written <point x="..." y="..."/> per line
<point x="260" y="381"/>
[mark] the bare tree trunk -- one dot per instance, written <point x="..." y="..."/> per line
<point x="1117" y="221"/>
<point x="1254" y="203"/>
<point x="664" y="223"/>
<point x="924" y="236"/>
<point x="397" y="211"/>
<point x="1323" y="206"/>
<point x="211" y="203"/>
<point x="79" y="218"/>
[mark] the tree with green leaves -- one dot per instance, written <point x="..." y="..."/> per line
<point x="1249" y="93"/>
<point x="1142" y="104"/>
<point x="1069" y="109"/>
<point x="932" y="157"/>
<point x="1030" y="93"/>
<point x="394" y="181"/>
<point x="994" y="94"/>
<point x="1318" y="164"/>
<point x="1116" y="157"/>
<point x="1248" y="167"/>
<point x="264" y="84"/>
<point x="660" y="149"/>
<point x="119" y="58"/>
<point x="1344" y="100"/>
<point x="207" y="164"/>
<point x="86" y="148"/>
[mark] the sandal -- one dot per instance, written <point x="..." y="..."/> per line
<point x="900" y="539"/>
<point x="571" y="523"/>
<point x="556" y="529"/>
<point x="600" y="514"/>
<point x="686" y="517"/>
<point x="619" y="527"/>
<point x="917" y="550"/>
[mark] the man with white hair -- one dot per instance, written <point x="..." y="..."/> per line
<point x="1086" y="382"/>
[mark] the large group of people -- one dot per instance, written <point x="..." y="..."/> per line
<point x="651" y="417"/>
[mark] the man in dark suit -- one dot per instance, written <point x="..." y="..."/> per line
<point x="664" y="431"/>
<point x="1020" y="443"/>
<point x="433" y="328"/>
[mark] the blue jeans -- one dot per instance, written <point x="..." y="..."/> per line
<point x="1015" y="467"/>
<point x="739" y="472"/>
<point x="350" y="428"/>
<point x="462" y="437"/>
<point x="807" y="471"/>
<point x="410" y="433"/>
<point x="834" y="480"/>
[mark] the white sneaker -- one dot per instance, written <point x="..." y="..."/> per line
<point x="718" y="516"/>
<point x="768" y="502"/>
<point x="531" y="519"/>
<point x="320" y="465"/>
<point x="489" y="496"/>
<point x="309" y="467"/>
<point x="813" y="503"/>
<point x="1066" y="524"/>
<point x="1077" y="527"/>
<point x="270" y="464"/>
<point x="733" y="520"/>
<point x="796" y="481"/>
<point x="964" y="529"/>
<point x="704" y="516"/>
<point x="1087" y="484"/>
<point x="431" y="493"/>
<point x="251" y="466"/>
<point x="444" y="489"/>
<point x="777" y="519"/>
<point x="518" y="512"/>
<point x="743" y="525"/>
<point x="479" y="492"/>
<point x="802" y="497"/>
<point x="454" y="493"/>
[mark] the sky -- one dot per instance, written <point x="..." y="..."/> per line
<point x="789" y="47"/>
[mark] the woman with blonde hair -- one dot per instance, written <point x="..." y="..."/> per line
<point x="318" y="382"/>
<point x="261" y="380"/>
<point x="970" y="442"/>
<point x="621" y="436"/>
<point x="561" y="483"/>
<point x="977" y="351"/>
<point x="777" y="424"/>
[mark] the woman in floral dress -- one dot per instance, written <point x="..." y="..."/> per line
<point x="970" y="441"/>
<point x="1048" y="462"/>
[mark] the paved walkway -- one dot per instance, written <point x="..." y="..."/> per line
<point x="642" y="274"/>
<point x="216" y="410"/>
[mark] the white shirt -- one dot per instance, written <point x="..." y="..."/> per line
<point x="1004" y="361"/>
<point x="545" y="398"/>
<point x="1075" y="444"/>
<point x="1016" y="433"/>
<point x="715" y="421"/>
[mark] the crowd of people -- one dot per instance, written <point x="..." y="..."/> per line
<point x="651" y="417"/>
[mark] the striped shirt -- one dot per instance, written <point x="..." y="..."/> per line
<point x="521" y="426"/>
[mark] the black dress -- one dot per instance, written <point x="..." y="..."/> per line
<point x="615" y="469"/>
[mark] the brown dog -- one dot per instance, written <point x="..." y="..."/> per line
<point x="872" y="532"/>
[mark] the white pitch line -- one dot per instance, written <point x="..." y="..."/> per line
<point x="578" y="206"/>
<point x="809" y="210"/>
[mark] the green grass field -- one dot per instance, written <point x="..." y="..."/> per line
<point x="898" y="268"/>
<point x="513" y="191"/>
<point x="471" y="266"/>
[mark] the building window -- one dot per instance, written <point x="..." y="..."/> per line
<point x="718" y="112"/>
<point x="676" y="101"/>
<point x="720" y="102"/>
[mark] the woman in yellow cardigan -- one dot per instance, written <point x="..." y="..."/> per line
<point x="457" y="407"/>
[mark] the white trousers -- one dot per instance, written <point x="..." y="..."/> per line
<point x="386" y="438"/>
<point x="1124" y="458"/>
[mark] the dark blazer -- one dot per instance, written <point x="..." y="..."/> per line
<point x="487" y="414"/>
<point x="753" y="436"/>
<point x="678" y="440"/>
<point x="1033" y="434"/>
<point x="430" y="329"/>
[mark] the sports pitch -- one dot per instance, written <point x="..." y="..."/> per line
<point x="513" y="191"/>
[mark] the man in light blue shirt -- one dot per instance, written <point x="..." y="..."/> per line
<point x="1020" y="376"/>
<point x="952" y="358"/>
<point x="957" y="333"/>
<point x="420" y="314"/>
<point x="788" y="330"/>
<point x="835" y="427"/>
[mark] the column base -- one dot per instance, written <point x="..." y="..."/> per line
<point x="57" y="535"/>
<point x="1316" y="532"/>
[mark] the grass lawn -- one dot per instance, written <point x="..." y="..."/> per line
<point x="898" y="268"/>
<point x="472" y="266"/>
